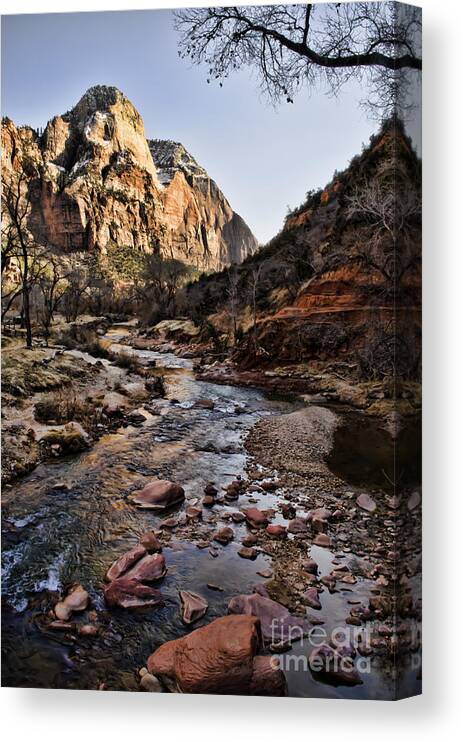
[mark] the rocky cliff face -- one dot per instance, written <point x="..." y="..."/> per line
<point x="341" y="282"/>
<point x="97" y="180"/>
<point x="197" y="215"/>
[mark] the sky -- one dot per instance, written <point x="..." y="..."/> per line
<point x="264" y="159"/>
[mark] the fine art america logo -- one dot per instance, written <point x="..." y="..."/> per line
<point x="342" y="654"/>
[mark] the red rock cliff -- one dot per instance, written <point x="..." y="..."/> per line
<point x="98" y="180"/>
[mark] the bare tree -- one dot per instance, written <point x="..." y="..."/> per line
<point x="16" y="208"/>
<point x="9" y="245"/>
<point x="51" y="285"/>
<point x="297" y="266"/>
<point x="391" y="208"/>
<point x="11" y="284"/>
<point x="297" y="45"/>
<point x="77" y="286"/>
<point x="254" y="280"/>
<point x="387" y="208"/>
<point x="160" y="282"/>
<point x="232" y="293"/>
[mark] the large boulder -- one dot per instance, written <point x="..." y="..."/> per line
<point x="267" y="678"/>
<point x="276" y="622"/>
<point x="219" y="658"/>
<point x="160" y="494"/>
<point x="129" y="593"/>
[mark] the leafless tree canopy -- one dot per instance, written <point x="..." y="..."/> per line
<point x="17" y="242"/>
<point x="391" y="206"/>
<point x="296" y="45"/>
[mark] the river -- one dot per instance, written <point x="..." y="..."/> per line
<point x="70" y="519"/>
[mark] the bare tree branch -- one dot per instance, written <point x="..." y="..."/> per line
<point x="300" y="45"/>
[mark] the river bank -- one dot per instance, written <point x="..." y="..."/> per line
<point x="59" y="400"/>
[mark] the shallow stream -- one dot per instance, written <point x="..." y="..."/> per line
<point x="70" y="519"/>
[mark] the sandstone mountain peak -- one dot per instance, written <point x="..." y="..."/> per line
<point x="100" y="98"/>
<point x="100" y="181"/>
<point x="170" y="156"/>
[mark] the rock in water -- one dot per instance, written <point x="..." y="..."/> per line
<point x="88" y="630"/>
<point x="193" y="513"/>
<point x="276" y="531"/>
<point x="288" y="511"/>
<point x="69" y="438"/>
<point x="124" y="562"/>
<point x="60" y="626"/>
<point x="366" y="502"/>
<point x="160" y="494"/>
<point x="256" y="517"/>
<point x="223" y="535"/>
<point x="150" y="541"/>
<point x="320" y="514"/>
<point x="150" y="684"/>
<point x="169" y="523"/>
<point x="150" y="568"/>
<point x="322" y="539"/>
<point x="193" y="606"/>
<point x="238" y="517"/>
<point x="76" y="600"/>
<point x="318" y="518"/>
<point x="333" y="666"/>
<point x="218" y="658"/>
<point x="310" y="598"/>
<point x="129" y="593"/>
<point x="310" y="565"/>
<point x="247" y="552"/>
<point x="276" y="622"/>
<point x="205" y="404"/>
<point x="297" y="525"/>
<point x="249" y="540"/>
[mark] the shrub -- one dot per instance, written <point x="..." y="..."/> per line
<point x="64" y="407"/>
<point x="126" y="360"/>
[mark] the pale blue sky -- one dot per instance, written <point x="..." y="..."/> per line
<point x="263" y="159"/>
